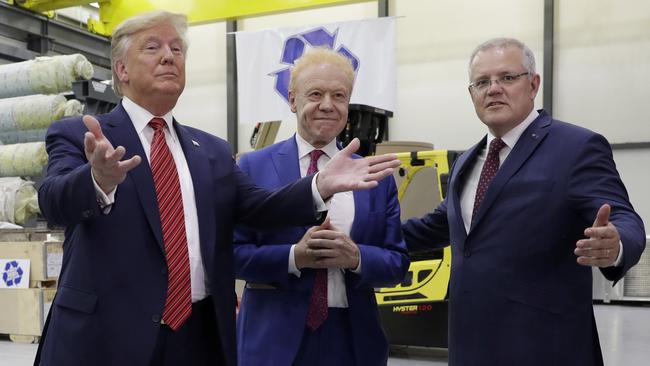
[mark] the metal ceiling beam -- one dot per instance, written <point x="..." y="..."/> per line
<point x="46" y="5"/>
<point x="112" y="13"/>
<point x="25" y="35"/>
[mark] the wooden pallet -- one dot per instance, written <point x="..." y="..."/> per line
<point x="23" y="311"/>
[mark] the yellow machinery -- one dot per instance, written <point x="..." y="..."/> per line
<point x="414" y="312"/>
<point x="113" y="12"/>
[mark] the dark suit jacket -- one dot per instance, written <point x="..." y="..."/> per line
<point x="517" y="295"/>
<point x="113" y="282"/>
<point x="271" y="322"/>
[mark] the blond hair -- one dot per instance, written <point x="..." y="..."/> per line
<point x="320" y="55"/>
<point x="123" y="35"/>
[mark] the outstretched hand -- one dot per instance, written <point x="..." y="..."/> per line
<point x="107" y="169"/>
<point x="344" y="173"/>
<point x="601" y="247"/>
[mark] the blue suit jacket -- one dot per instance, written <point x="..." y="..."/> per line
<point x="271" y="322"/>
<point x="113" y="282"/>
<point x="517" y="295"/>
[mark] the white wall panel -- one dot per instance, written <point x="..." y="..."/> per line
<point x="602" y="67"/>
<point x="203" y="103"/>
<point x="434" y="42"/>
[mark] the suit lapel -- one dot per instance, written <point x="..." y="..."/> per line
<point x="362" y="201"/>
<point x="119" y="129"/>
<point x="524" y="148"/>
<point x="465" y="164"/>
<point x="285" y="161"/>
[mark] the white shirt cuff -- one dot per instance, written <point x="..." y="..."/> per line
<point x="104" y="200"/>
<point x="619" y="259"/>
<point x="293" y="269"/>
<point x="319" y="204"/>
<point x="358" y="269"/>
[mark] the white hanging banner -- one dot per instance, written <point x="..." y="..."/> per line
<point x="265" y="59"/>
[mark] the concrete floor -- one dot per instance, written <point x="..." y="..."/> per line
<point x="624" y="336"/>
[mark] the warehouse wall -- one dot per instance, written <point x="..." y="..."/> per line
<point x="601" y="75"/>
<point x="203" y="103"/>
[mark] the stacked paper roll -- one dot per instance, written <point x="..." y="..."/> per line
<point x="22" y="160"/>
<point x="18" y="200"/>
<point x="43" y="75"/>
<point x="35" y="111"/>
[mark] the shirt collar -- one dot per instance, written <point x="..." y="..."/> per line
<point x="304" y="147"/>
<point x="511" y="137"/>
<point x="140" y="117"/>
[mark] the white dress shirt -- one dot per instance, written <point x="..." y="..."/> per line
<point x="341" y="216"/>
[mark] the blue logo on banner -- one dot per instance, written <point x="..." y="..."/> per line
<point x="294" y="48"/>
<point x="12" y="274"/>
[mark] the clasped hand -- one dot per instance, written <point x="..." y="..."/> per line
<point x="324" y="246"/>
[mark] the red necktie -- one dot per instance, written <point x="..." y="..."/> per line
<point x="178" y="305"/>
<point x="317" y="312"/>
<point x="488" y="172"/>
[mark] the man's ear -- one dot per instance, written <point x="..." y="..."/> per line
<point x="292" y="101"/>
<point x="535" y="81"/>
<point x="120" y="70"/>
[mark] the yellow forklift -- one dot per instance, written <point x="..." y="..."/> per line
<point x="414" y="313"/>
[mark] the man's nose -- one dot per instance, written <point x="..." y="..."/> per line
<point x="494" y="87"/>
<point x="167" y="55"/>
<point x="326" y="103"/>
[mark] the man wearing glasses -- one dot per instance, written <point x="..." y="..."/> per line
<point x="530" y="209"/>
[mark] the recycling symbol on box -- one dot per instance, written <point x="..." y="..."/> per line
<point x="294" y="48"/>
<point x="12" y="274"/>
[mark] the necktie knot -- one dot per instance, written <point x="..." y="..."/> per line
<point x="157" y="123"/>
<point x="495" y="146"/>
<point x="313" y="163"/>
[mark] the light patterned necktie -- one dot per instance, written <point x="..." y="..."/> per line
<point x="488" y="172"/>
<point x="317" y="312"/>
<point x="178" y="305"/>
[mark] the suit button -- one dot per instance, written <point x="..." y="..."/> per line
<point x="163" y="271"/>
<point x="155" y="318"/>
<point x="86" y="214"/>
<point x="468" y="253"/>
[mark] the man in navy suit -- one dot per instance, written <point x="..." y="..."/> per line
<point x="358" y="248"/>
<point x="147" y="275"/>
<point x="526" y="219"/>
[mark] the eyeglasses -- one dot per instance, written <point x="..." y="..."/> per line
<point x="505" y="79"/>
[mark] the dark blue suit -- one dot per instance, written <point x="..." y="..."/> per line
<point x="113" y="282"/>
<point x="272" y="320"/>
<point x="517" y="295"/>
